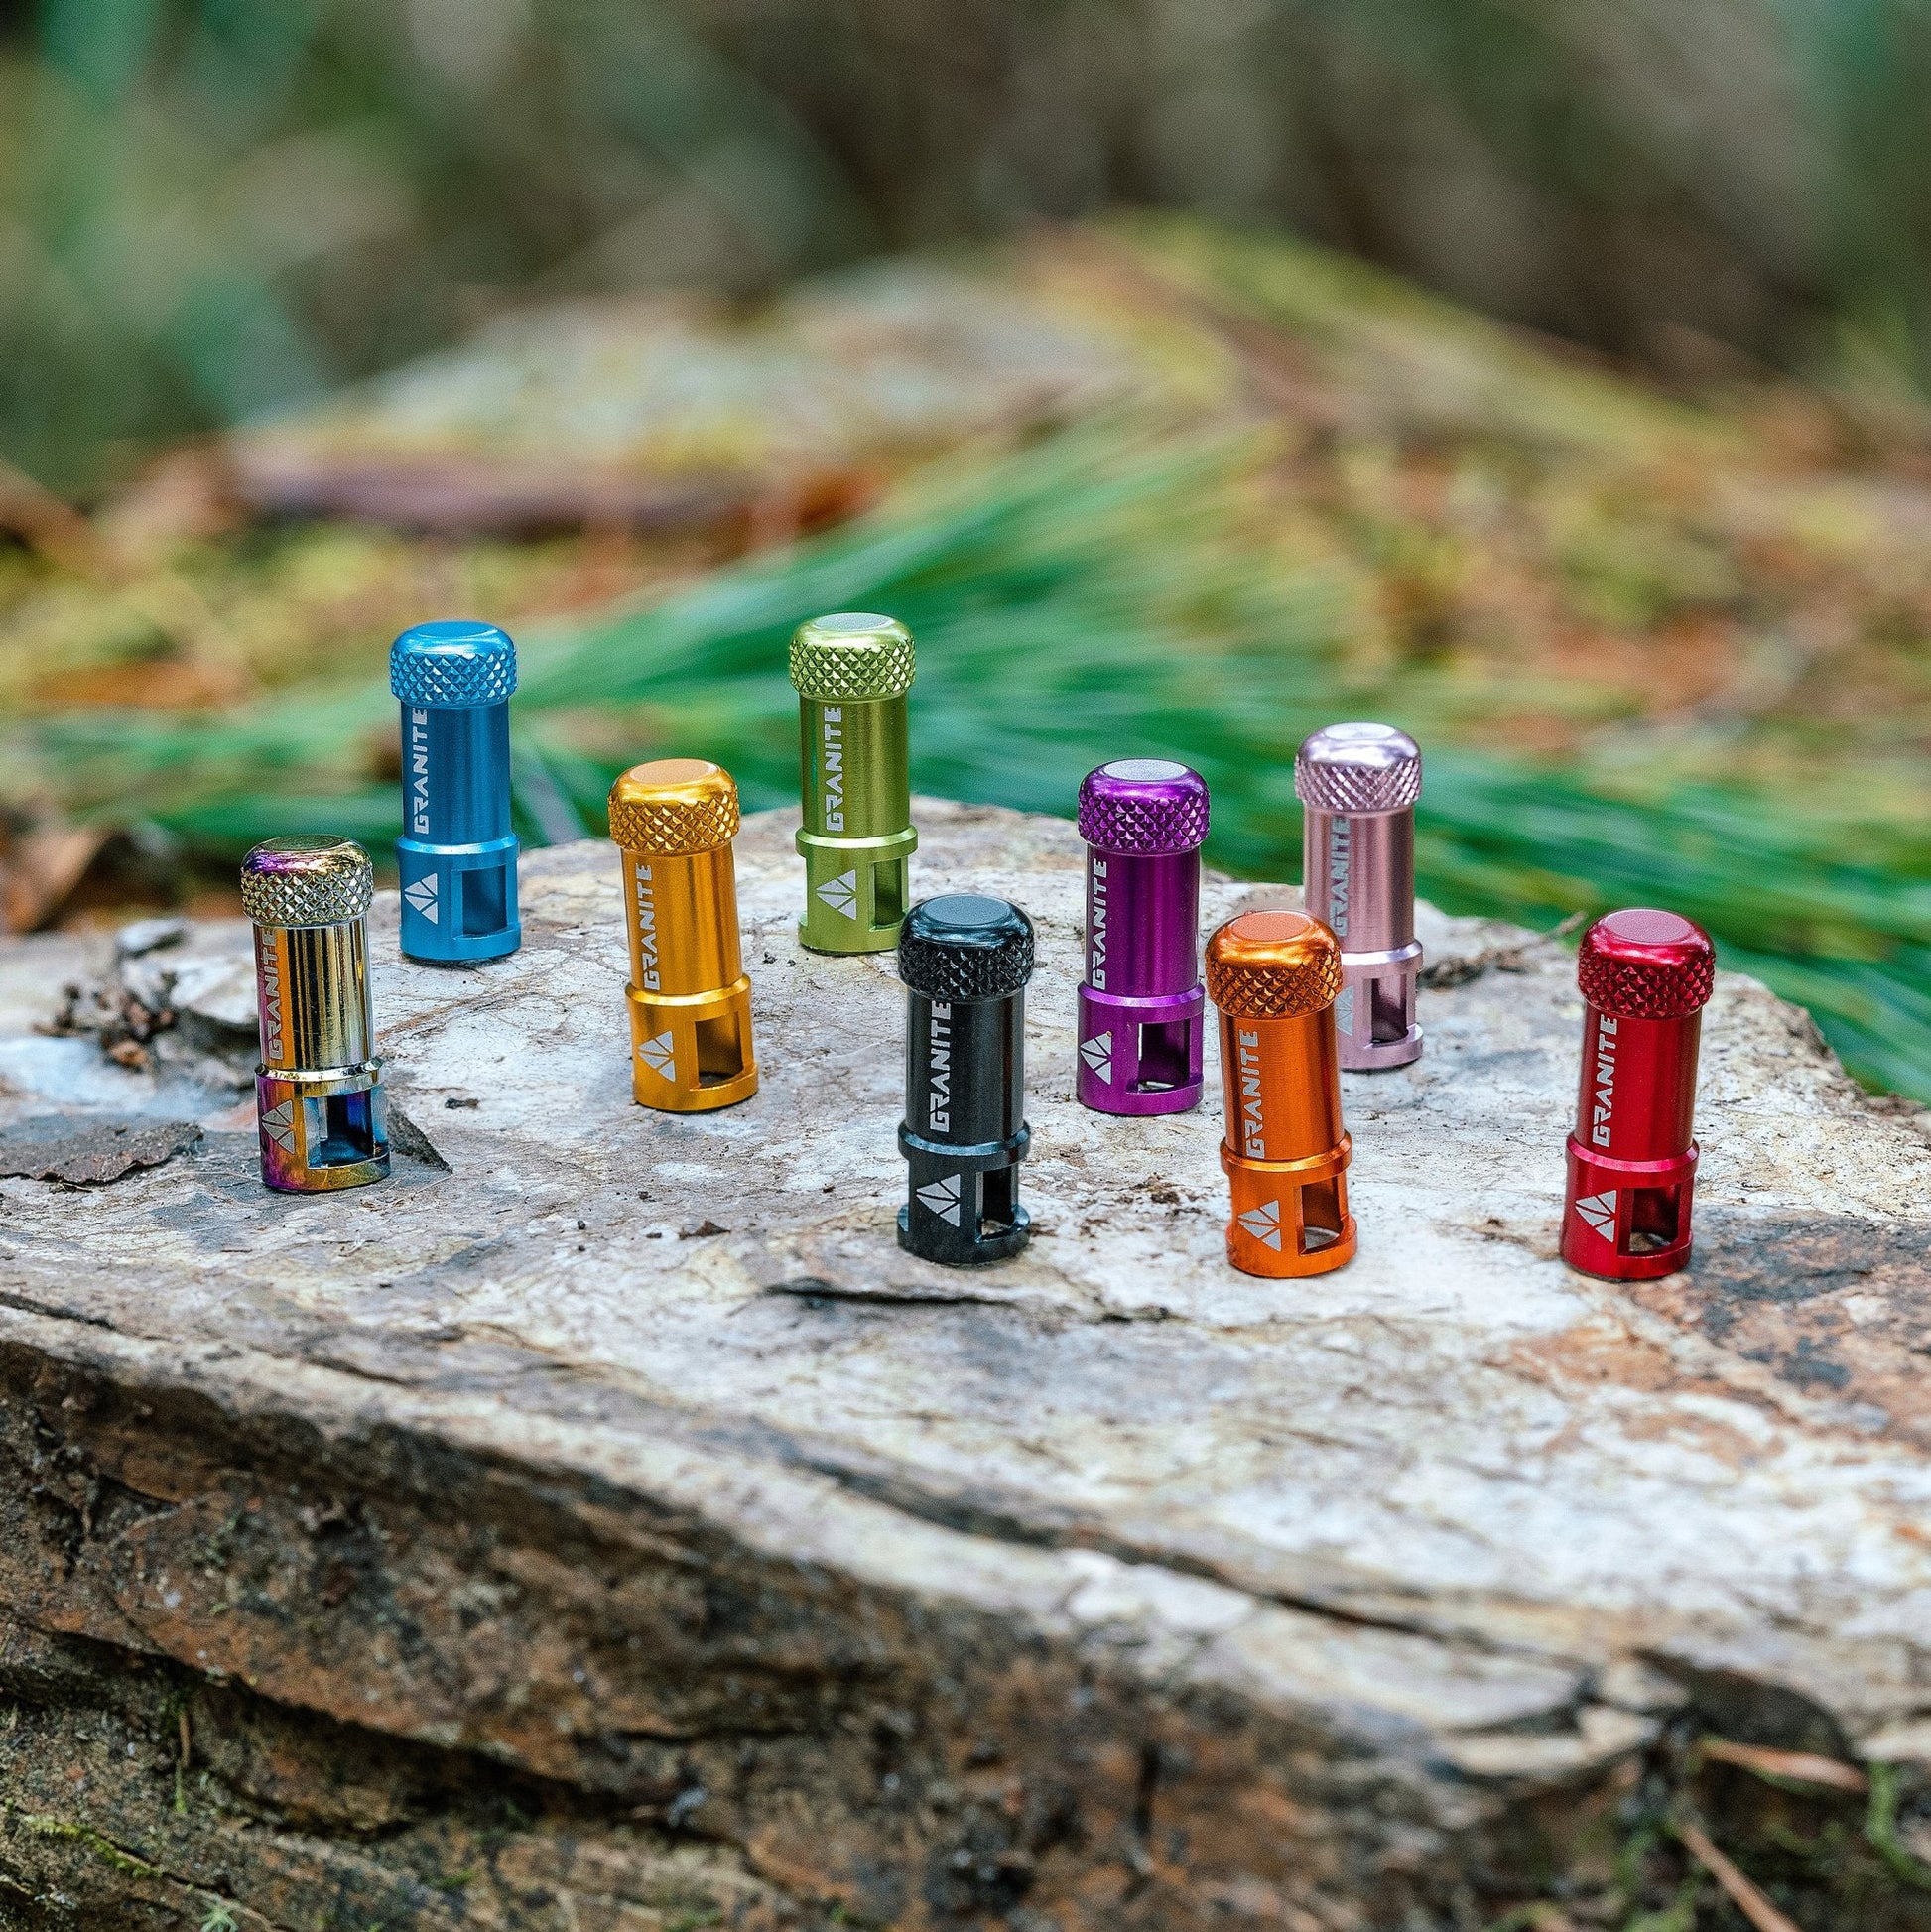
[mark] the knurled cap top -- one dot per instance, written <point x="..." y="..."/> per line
<point x="1143" y="806"/>
<point x="453" y="664"/>
<point x="1358" y="768"/>
<point x="674" y="807"/>
<point x="306" y="882"/>
<point x="1644" y="964"/>
<point x="852" y="655"/>
<point x="1273" y="965"/>
<point x="963" y="948"/>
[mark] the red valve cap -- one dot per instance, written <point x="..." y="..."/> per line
<point x="1645" y="977"/>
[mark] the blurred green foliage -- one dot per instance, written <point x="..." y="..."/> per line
<point x="209" y="207"/>
<point x="1099" y="596"/>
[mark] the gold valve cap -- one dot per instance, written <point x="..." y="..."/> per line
<point x="674" y="807"/>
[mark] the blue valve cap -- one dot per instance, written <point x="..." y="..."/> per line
<point x="456" y="853"/>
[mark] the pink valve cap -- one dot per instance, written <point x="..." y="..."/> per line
<point x="1358" y="785"/>
<point x="1355" y="769"/>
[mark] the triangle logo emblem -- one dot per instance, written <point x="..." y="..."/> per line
<point x="1344" y="1013"/>
<point x="1097" y="1053"/>
<point x="1264" y="1223"/>
<point x="1599" y="1210"/>
<point x="422" y="895"/>
<point x="842" y="894"/>
<point x="941" y="1198"/>
<point x="278" y="1123"/>
<point x="660" y="1055"/>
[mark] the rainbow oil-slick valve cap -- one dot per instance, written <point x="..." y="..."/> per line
<point x="964" y="961"/>
<point x="688" y="997"/>
<point x="1358" y="785"/>
<point x="456" y="853"/>
<point x="852" y="672"/>
<point x="318" y="1088"/>
<point x="1645" y="977"/>
<point x="1274" y="977"/>
<point x="1141" y="1004"/>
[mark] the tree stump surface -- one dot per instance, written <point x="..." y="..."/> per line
<point x="602" y="1523"/>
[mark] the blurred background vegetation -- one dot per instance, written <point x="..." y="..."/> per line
<point x="211" y="206"/>
<point x="1088" y="335"/>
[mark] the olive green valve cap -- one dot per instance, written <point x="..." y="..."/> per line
<point x="854" y="656"/>
<point x="852" y="673"/>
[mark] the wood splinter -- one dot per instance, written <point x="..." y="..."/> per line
<point x="1805" y="1767"/>
<point x="1738" y="1889"/>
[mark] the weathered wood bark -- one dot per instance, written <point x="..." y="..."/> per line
<point x="604" y="1524"/>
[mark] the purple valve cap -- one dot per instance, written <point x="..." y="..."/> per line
<point x="1142" y="1004"/>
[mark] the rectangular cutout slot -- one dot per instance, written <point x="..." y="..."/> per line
<point x="1389" y="1013"/>
<point x="1321" y="1214"/>
<point x="887" y="894"/>
<point x="1163" y="1057"/>
<point x="339" y="1129"/>
<point x="721" y="1050"/>
<point x="485" y="902"/>
<point x="1652" y="1219"/>
<point x="995" y="1201"/>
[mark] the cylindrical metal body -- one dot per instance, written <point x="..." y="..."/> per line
<point x="688" y="996"/>
<point x="1645" y="977"/>
<point x="1358" y="785"/>
<point x="852" y="672"/>
<point x="1142" y="1006"/>
<point x="965" y="961"/>
<point x="456" y="853"/>
<point x="318" y="1090"/>
<point x="1274" y="977"/>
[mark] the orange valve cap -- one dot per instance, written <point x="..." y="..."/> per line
<point x="689" y="995"/>
<point x="1274" y="977"/>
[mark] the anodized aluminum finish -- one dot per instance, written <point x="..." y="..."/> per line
<point x="965" y="961"/>
<point x="1359" y="876"/>
<point x="1644" y="976"/>
<point x="1141" y="1004"/>
<point x="1142" y="922"/>
<point x="311" y="986"/>
<point x="1274" y="977"/>
<point x="688" y="996"/>
<point x="318" y="1103"/>
<point x="1358" y="784"/>
<point x="456" y="855"/>
<point x="852" y="671"/>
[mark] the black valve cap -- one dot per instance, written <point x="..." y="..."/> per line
<point x="965" y="946"/>
<point x="965" y="961"/>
